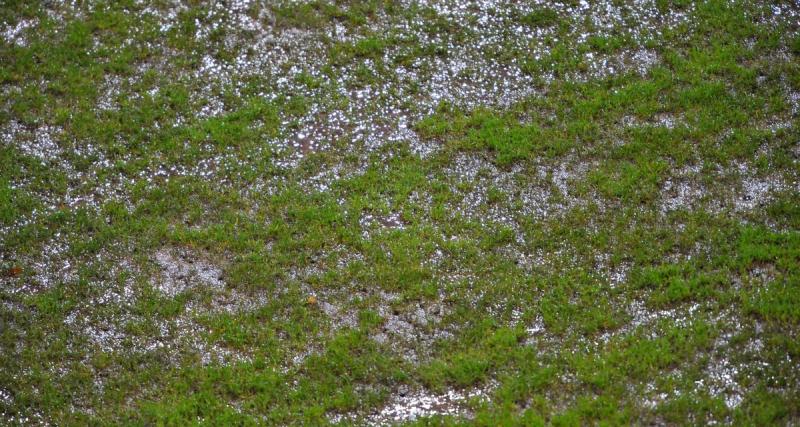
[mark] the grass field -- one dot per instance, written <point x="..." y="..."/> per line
<point x="427" y="212"/>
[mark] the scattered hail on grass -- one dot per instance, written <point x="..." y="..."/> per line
<point x="357" y="91"/>
<point x="409" y="329"/>
<point x="86" y="188"/>
<point x="542" y="190"/>
<point x="369" y="222"/>
<point x="111" y="322"/>
<point x="181" y="272"/>
<point x="409" y="405"/>
<point x="374" y="113"/>
<point x="15" y="34"/>
<point x="39" y="143"/>
<point x="722" y="375"/>
<point x="666" y="120"/>
<point x="756" y="191"/>
<point x="412" y="330"/>
<point x="686" y="189"/>
<point x="463" y="72"/>
<point x="682" y="191"/>
<point x="55" y="266"/>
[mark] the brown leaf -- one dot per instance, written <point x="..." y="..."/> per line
<point x="14" y="271"/>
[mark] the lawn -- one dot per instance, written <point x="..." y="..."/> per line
<point x="412" y="212"/>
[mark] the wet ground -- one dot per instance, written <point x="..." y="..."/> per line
<point x="374" y="213"/>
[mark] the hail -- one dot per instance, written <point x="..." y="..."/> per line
<point x="15" y="34"/>
<point x="406" y="406"/>
<point x="464" y="73"/>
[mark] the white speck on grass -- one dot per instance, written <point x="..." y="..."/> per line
<point x="5" y="397"/>
<point x="535" y="328"/>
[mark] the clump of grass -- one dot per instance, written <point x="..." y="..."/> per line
<point x="541" y="17"/>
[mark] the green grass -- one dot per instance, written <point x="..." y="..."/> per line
<point x="709" y="285"/>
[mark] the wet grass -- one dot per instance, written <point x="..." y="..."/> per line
<point x="614" y="245"/>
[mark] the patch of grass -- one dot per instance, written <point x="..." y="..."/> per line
<point x="542" y="17"/>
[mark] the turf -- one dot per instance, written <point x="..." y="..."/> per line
<point x="414" y="213"/>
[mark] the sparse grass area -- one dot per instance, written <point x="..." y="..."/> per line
<point x="341" y="213"/>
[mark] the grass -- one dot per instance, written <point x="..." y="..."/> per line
<point x="608" y="247"/>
